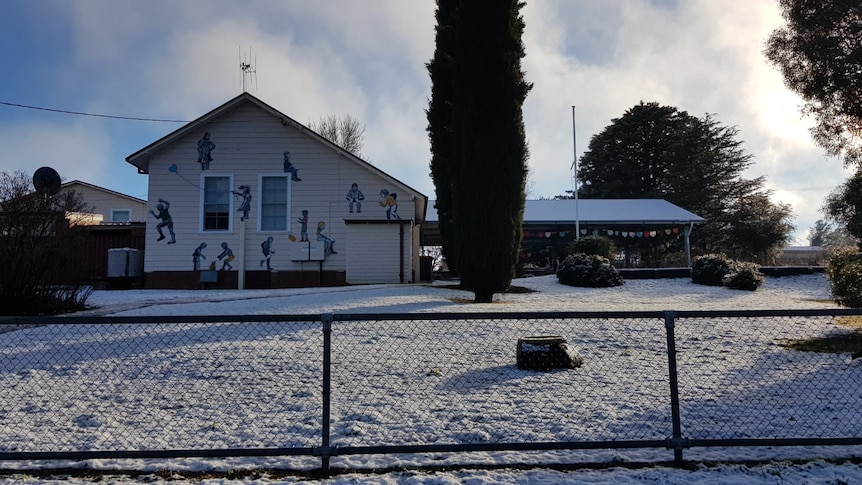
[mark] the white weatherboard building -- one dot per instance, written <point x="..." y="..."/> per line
<point x="247" y="197"/>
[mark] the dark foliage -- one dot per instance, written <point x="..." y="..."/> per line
<point x="844" y="270"/>
<point x="844" y="204"/>
<point x="744" y="276"/>
<point x="828" y="234"/>
<point x="489" y="150"/>
<point x="439" y="114"/>
<point x="710" y="269"/>
<point x="819" y="53"/>
<point x="598" y="245"/>
<point x="589" y="271"/>
<point x="659" y="152"/>
<point x="43" y="273"/>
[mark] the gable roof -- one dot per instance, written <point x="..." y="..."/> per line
<point x="599" y="211"/>
<point x="141" y="158"/>
<point x="68" y="185"/>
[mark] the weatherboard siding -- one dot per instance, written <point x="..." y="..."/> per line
<point x="102" y="201"/>
<point x="249" y="141"/>
<point x="380" y="253"/>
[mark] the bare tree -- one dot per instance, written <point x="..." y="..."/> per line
<point x="43" y="272"/>
<point x="346" y="132"/>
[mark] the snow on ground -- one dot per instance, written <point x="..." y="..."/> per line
<point x="804" y="291"/>
<point x="807" y="291"/>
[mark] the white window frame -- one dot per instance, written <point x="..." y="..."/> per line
<point x="205" y="175"/>
<point x="287" y="202"/>
<point x="114" y="213"/>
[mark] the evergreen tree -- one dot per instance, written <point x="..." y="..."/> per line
<point x="656" y="151"/>
<point x="489" y="149"/>
<point x="817" y="234"/>
<point x="819" y="53"/>
<point x="759" y="228"/>
<point x="439" y="114"/>
<point x="829" y="235"/>
<point x="845" y="205"/>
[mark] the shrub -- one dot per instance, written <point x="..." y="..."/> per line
<point x="743" y="276"/>
<point x="710" y="269"/>
<point x="588" y="270"/>
<point x="43" y="272"/>
<point x="844" y="270"/>
<point x="598" y="245"/>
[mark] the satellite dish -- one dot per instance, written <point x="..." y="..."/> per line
<point x="46" y="180"/>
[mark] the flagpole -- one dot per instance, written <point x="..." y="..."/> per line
<point x="575" y="176"/>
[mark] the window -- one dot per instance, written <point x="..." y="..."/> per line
<point x="121" y="215"/>
<point x="274" y="203"/>
<point x="217" y="202"/>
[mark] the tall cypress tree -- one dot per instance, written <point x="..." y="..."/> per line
<point x="439" y="114"/>
<point x="489" y="148"/>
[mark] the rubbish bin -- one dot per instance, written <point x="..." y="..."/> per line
<point x="426" y="266"/>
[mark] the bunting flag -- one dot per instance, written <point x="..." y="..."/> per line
<point x="610" y="232"/>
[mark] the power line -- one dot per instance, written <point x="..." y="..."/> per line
<point x="95" y="115"/>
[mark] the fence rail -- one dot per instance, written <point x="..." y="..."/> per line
<point x="325" y="387"/>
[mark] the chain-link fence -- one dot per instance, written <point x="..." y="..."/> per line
<point x="327" y="387"/>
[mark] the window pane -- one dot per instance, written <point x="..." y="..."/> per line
<point x="121" y="216"/>
<point x="273" y="206"/>
<point x="217" y="203"/>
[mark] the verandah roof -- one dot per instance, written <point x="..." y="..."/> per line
<point x="566" y="213"/>
<point x="597" y="211"/>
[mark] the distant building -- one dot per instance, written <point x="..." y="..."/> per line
<point x="803" y="256"/>
<point x="107" y="205"/>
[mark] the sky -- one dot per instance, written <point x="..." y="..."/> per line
<point x="169" y="60"/>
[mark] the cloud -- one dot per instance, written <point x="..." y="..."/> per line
<point x="76" y="151"/>
<point x="167" y="59"/>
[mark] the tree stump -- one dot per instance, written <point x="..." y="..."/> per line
<point x="546" y="352"/>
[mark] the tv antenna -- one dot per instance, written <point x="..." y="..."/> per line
<point x="247" y="68"/>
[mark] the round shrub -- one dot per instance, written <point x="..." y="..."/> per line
<point x="597" y="245"/>
<point x="710" y="269"/>
<point x="589" y="271"/>
<point x="744" y="276"/>
<point x="844" y="270"/>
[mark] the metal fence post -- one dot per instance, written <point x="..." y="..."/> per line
<point x="326" y="319"/>
<point x="676" y="442"/>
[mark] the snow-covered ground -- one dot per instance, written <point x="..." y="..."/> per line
<point x="189" y="363"/>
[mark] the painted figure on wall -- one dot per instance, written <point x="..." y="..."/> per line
<point x="245" y="205"/>
<point x="390" y="202"/>
<point x="198" y="255"/>
<point x="226" y="257"/>
<point x="289" y="168"/>
<point x="165" y="220"/>
<point x="355" y="197"/>
<point x="266" y="247"/>
<point x="205" y="148"/>
<point x="303" y="228"/>
<point x="328" y="242"/>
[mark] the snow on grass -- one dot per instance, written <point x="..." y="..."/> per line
<point x="180" y="377"/>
